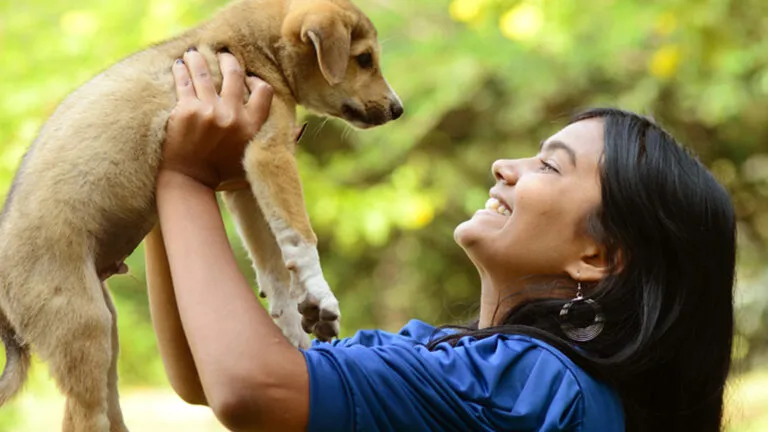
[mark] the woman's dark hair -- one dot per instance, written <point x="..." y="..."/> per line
<point x="669" y="228"/>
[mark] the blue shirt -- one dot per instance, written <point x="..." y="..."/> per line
<point x="379" y="381"/>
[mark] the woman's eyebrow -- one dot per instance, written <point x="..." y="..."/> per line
<point x="559" y="145"/>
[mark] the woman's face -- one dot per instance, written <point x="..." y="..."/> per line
<point x="534" y="222"/>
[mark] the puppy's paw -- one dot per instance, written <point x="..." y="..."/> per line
<point x="320" y="311"/>
<point x="317" y="304"/>
<point x="289" y="320"/>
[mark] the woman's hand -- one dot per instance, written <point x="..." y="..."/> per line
<point x="207" y="133"/>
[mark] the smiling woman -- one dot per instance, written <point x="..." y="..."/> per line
<point x="606" y="265"/>
<point x="613" y="205"/>
<point x="548" y="198"/>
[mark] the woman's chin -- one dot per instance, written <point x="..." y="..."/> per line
<point x="482" y="224"/>
<point x="466" y="234"/>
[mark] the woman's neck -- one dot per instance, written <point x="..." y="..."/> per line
<point x="499" y="296"/>
<point x="496" y="300"/>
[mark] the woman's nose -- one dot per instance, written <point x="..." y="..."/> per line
<point x="504" y="170"/>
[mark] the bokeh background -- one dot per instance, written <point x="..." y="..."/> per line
<point x="481" y="80"/>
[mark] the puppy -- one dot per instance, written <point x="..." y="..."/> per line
<point x="83" y="197"/>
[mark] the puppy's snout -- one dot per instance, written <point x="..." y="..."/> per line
<point x="396" y="110"/>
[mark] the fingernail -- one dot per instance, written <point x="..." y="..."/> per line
<point x="301" y="132"/>
<point x="190" y="49"/>
<point x="179" y="61"/>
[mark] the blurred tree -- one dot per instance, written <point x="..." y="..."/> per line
<point x="481" y="80"/>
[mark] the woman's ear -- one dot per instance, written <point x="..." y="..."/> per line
<point x="592" y="266"/>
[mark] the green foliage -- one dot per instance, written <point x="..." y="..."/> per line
<point x="481" y="80"/>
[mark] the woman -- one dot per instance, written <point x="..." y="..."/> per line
<point x="606" y="264"/>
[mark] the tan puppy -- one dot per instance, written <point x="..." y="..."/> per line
<point x="83" y="197"/>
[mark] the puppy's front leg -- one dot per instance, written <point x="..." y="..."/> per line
<point x="272" y="276"/>
<point x="274" y="176"/>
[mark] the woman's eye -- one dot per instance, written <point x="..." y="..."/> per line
<point x="547" y="167"/>
<point x="365" y="60"/>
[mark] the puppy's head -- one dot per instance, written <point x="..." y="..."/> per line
<point x="337" y="73"/>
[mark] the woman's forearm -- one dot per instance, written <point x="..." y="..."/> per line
<point x="248" y="370"/>
<point x="172" y="342"/>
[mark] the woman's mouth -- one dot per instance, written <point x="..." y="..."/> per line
<point x="497" y="206"/>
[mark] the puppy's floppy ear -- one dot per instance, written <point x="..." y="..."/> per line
<point x="331" y="34"/>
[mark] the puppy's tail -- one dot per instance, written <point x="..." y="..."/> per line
<point x="16" y="361"/>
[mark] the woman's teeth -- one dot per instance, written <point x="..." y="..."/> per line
<point x="496" y="206"/>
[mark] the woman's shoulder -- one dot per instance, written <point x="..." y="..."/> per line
<point x="534" y="371"/>
<point x="503" y="380"/>
<point x="544" y="374"/>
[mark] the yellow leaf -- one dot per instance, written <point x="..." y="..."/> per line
<point x="155" y="26"/>
<point x="523" y="22"/>
<point x="422" y="213"/>
<point x="665" y="24"/>
<point x="665" y="61"/>
<point x="79" y="23"/>
<point x="465" y="10"/>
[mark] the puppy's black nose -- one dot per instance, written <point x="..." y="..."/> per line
<point x="396" y="110"/>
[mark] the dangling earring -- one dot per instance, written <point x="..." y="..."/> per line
<point x="581" y="334"/>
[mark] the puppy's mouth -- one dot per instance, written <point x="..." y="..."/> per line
<point x="364" y="118"/>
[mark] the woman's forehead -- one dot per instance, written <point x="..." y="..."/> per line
<point x="585" y="137"/>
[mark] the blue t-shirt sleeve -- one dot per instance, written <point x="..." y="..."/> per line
<point x="499" y="383"/>
<point x="415" y="332"/>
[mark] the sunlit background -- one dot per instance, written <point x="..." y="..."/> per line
<point x="481" y="80"/>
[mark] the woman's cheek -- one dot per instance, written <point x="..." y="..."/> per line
<point x="539" y="195"/>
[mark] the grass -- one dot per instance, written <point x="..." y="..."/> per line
<point x="146" y="410"/>
<point x="40" y="407"/>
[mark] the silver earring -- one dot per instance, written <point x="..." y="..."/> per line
<point x="582" y="334"/>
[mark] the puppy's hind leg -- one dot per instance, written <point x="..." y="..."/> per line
<point x="76" y="343"/>
<point x="271" y="275"/>
<point x="114" y="413"/>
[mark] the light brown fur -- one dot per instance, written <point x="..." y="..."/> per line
<point x="83" y="197"/>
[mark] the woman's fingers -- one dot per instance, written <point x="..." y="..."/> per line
<point x="232" y="87"/>
<point x="184" y="89"/>
<point x="260" y="100"/>
<point x="201" y="76"/>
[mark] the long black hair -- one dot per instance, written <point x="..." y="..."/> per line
<point x="669" y="231"/>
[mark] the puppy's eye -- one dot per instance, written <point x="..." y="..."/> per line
<point x="365" y="60"/>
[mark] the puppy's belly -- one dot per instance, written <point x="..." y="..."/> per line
<point x="97" y="158"/>
<point x="114" y="244"/>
